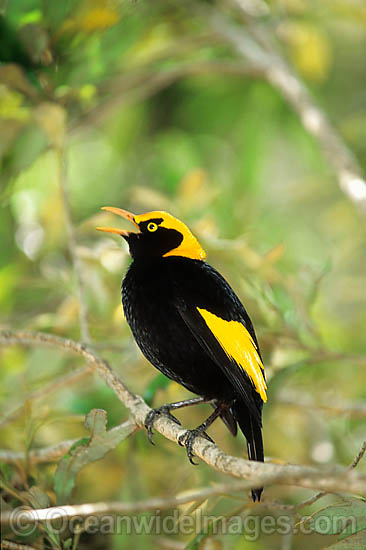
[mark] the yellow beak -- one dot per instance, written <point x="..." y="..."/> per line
<point x="123" y="214"/>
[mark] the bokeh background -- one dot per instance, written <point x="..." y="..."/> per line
<point x="147" y="106"/>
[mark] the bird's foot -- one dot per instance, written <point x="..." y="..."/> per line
<point x="187" y="439"/>
<point x="153" y="415"/>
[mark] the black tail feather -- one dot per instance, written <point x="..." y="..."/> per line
<point x="253" y="433"/>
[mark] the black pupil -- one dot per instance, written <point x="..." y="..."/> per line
<point x="151" y="225"/>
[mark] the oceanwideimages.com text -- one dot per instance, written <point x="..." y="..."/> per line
<point x="24" y="521"/>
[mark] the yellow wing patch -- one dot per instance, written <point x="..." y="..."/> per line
<point x="238" y="344"/>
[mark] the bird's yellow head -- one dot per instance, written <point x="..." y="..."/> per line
<point x="159" y="235"/>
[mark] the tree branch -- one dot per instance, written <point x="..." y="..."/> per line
<point x="265" y="62"/>
<point x="53" y="452"/>
<point x="258" y="474"/>
<point x="38" y="456"/>
<point x="9" y="545"/>
<point x="257" y="48"/>
<point x="84" y="510"/>
<point x="297" y="400"/>
<point x="197" y="495"/>
<point x="28" y="338"/>
<point x="321" y="494"/>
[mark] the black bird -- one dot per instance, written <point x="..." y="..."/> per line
<point x="190" y="324"/>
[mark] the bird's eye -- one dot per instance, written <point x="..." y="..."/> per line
<point x="152" y="227"/>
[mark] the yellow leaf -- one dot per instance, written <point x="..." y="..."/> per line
<point x="98" y="19"/>
<point x="310" y="49"/>
<point x="94" y="15"/>
<point x="273" y="255"/>
<point x="11" y="105"/>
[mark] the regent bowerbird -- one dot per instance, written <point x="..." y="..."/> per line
<point x="190" y="324"/>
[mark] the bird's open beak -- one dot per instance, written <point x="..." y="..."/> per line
<point x="124" y="214"/>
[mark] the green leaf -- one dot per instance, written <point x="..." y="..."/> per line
<point x="354" y="542"/>
<point x="5" y="472"/>
<point x="36" y="497"/>
<point x="87" y="450"/>
<point x="346" y="518"/>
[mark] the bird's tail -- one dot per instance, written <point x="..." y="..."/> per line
<point x="252" y="430"/>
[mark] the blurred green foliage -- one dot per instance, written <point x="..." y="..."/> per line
<point x="92" y="82"/>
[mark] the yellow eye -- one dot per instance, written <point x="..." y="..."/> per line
<point x="152" y="227"/>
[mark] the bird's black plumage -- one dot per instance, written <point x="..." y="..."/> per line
<point x="163" y="297"/>
<point x="160" y="297"/>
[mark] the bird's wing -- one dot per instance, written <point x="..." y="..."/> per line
<point x="239" y="346"/>
<point x="231" y="346"/>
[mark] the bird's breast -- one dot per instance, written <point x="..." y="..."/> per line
<point x="149" y="303"/>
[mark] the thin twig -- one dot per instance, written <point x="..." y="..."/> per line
<point x="45" y="391"/>
<point x="71" y="239"/>
<point x="358" y="457"/>
<point x="309" y="501"/>
<point x="321" y="494"/>
<point x="84" y="510"/>
<point x="258" y="474"/>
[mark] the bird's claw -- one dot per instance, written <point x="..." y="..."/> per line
<point x="153" y="415"/>
<point x="187" y="439"/>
